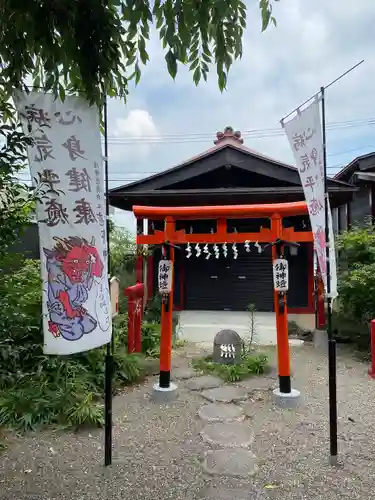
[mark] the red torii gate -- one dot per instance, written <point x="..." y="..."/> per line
<point x="170" y="236"/>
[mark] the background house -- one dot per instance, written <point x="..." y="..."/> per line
<point x="230" y="173"/>
<point x="359" y="173"/>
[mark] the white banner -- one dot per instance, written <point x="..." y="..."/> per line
<point x="305" y="137"/>
<point x="66" y="162"/>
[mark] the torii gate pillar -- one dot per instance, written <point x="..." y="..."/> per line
<point x="166" y="390"/>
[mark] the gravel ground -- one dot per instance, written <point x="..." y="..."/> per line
<point x="158" y="450"/>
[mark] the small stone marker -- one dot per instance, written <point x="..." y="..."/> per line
<point x="227" y="347"/>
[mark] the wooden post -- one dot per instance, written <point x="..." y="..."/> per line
<point x="283" y="356"/>
<point x="166" y="328"/>
<point x="131" y="325"/>
<point x="135" y="296"/>
<point x="139" y="258"/>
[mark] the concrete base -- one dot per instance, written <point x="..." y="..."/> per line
<point x="287" y="400"/>
<point x="164" y="394"/>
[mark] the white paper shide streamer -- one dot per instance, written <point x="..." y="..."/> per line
<point x="216" y="251"/>
<point x="235" y="251"/>
<point x="305" y="137"/>
<point x="66" y="162"/>
<point x="206" y="251"/>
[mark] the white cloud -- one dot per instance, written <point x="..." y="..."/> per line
<point x="314" y="42"/>
<point x="138" y="123"/>
<point x="129" y="136"/>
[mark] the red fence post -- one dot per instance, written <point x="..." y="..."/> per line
<point x="135" y="295"/>
<point x="372" y="367"/>
<point x="131" y="311"/>
<point x="138" y="325"/>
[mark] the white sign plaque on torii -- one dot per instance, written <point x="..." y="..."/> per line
<point x="165" y="275"/>
<point x="280" y="275"/>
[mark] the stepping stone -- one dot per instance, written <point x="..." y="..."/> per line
<point x="204" y="382"/>
<point x="238" y="462"/>
<point x="228" y="435"/>
<point x="258" y="384"/>
<point x="217" y="412"/>
<point x="183" y="373"/>
<point x="249" y="410"/>
<point x="226" y="394"/>
<point x="218" y="493"/>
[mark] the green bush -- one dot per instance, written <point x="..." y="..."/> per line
<point x="356" y="286"/>
<point x="122" y="261"/>
<point x="151" y="339"/>
<point x="152" y="312"/>
<point x="249" y="366"/>
<point x="150" y="335"/>
<point x="21" y="339"/>
<point x="347" y="330"/>
<point x="36" y="389"/>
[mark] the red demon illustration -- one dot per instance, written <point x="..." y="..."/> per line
<point x="71" y="266"/>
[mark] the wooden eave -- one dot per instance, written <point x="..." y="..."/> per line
<point x="231" y="196"/>
<point x="360" y="163"/>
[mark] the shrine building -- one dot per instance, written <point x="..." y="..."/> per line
<point x="229" y="173"/>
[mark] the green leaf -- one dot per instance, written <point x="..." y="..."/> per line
<point x="142" y="50"/>
<point x="266" y="11"/>
<point x="197" y="75"/>
<point x="194" y="64"/>
<point x="131" y="60"/>
<point x="36" y="82"/>
<point x="222" y="80"/>
<point x="171" y="63"/>
<point x="137" y="72"/>
<point x="61" y="92"/>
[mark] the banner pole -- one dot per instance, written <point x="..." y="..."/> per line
<point x="110" y="345"/>
<point x="331" y="341"/>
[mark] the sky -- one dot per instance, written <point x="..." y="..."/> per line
<point x="165" y="122"/>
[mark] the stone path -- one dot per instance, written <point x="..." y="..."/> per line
<point x="227" y="435"/>
<point x="227" y="432"/>
<point x="233" y="445"/>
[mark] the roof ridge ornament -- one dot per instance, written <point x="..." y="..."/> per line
<point x="229" y="133"/>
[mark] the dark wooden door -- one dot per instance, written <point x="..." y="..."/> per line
<point x="230" y="284"/>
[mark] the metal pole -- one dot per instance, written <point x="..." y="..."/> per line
<point x="331" y="342"/>
<point x="110" y="345"/>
